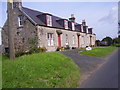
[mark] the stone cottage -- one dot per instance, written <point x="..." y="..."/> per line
<point x="45" y="30"/>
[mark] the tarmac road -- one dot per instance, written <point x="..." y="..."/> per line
<point x="106" y="76"/>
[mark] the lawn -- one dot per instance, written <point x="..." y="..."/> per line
<point x="0" y="71"/>
<point x="99" y="52"/>
<point x="42" y="70"/>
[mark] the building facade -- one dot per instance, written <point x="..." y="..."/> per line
<point x="40" y="29"/>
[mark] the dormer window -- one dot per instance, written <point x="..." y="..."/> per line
<point x="87" y="29"/>
<point x="49" y="20"/>
<point x="20" y="20"/>
<point x="66" y="24"/>
<point x="73" y="25"/>
<point x="81" y="28"/>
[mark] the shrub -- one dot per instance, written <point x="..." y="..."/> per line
<point x="42" y="49"/>
<point x="62" y="49"/>
<point x="58" y="48"/>
<point x="67" y="47"/>
<point x="74" y="48"/>
<point x="34" y="50"/>
<point x="20" y="53"/>
<point x="117" y="45"/>
<point x="6" y="55"/>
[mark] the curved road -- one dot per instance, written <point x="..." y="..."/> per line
<point x="106" y="76"/>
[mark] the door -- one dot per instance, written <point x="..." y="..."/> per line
<point x="59" y="41"/>
<point x="78" y="42"/>
<point x="90" y="40"/>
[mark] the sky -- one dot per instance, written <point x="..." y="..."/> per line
<point x="101" y="16"/>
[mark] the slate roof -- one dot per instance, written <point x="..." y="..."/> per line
<point x="32" y="14"/>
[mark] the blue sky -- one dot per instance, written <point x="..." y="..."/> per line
<point x="102" y="16"/>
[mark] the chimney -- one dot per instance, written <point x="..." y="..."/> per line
<point x="72" y="18"/>
<point x="84" y="22"/>
<point x="17" y="4"/>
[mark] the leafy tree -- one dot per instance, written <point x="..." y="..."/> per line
<point x="116" y="40"/>
<point x="108" y="40"/>
<point x="97" y="42"/>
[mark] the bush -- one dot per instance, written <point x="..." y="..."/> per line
<point x="6" y="55"/>
<point x="31" y="51"/>
<point x="34" y="50"/>
<point x="58" y="48"/>
<point x="18" y="54"/>
<point x="62" y="49"/>
<point x="117" y="45"/>
<point x="42" y="49"/>
<point x="67" y="47"/>
<point x="74" y="48"/>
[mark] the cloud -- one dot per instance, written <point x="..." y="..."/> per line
<point x="111" y="17"/>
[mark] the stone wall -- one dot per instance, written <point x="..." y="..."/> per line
<point x="43" y="40"/>
<point x="22" y="35"/>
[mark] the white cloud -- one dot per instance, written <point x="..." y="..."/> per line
<point x="112" y="16"/>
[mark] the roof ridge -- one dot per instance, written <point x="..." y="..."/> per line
<point x="45" y="12"/>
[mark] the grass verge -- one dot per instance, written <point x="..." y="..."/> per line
<point x="0" y="71"/>
<point x="42" y="70"/>
<point x="99" y="52"/>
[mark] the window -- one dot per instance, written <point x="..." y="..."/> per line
<point x="66" y="24"/>
<point x="73" y="39"/>
<point x="73" y="25"/>
<point x="66" y="39"/>
<point x="50" y="39"/>
<point x="81" y="28"/>
<point x="82" y="40"/>
<point x="86" y="29"/>
<point x="49" y="20"/>
<point x="20" y="20"/>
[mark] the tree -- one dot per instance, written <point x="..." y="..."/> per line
<point x="116" y="40"/>
<point x="97" y="42"/>
<point x="108" y="40"/>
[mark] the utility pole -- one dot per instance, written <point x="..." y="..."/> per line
<point x="10" y="31"/>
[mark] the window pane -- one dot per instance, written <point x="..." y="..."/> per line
<point x="50" y="39"/>
<point x="20" y="20"/>
<point x="49" y="20"/>
<point x="73" y="39"/>
<point x="48" y="42"/>
<point x="66" y="24"/>
<point x="52" y="42"/>
<point x="73" y="26"/>
<point x="48" y="35"/>
<point x="66" y="39"/>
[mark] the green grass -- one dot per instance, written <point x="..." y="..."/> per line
<point x="42" y="70"/>
<point x="0" y="71"/>
<point x="99" y="52"/>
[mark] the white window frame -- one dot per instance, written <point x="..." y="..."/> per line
<point x="66" y="24"/>
<point x="81" y="28"/>
<point x="73" y="39"/>
<point x="66" y="39"/>
<point x="20" y="20"/>
<point x="82" y="40"/>
<point x="86" y="29"/>
<point x="73" y="25"/>
<point x="50" y="39"/>
<point x="49" y="20"/>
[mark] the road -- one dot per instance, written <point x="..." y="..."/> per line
<point x="106" y="76"/>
